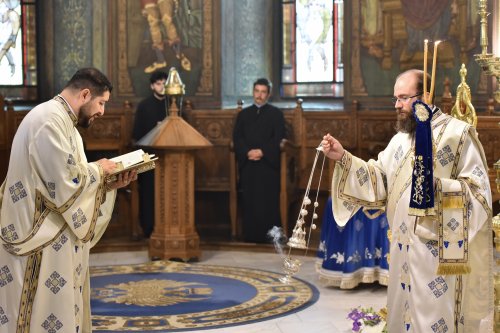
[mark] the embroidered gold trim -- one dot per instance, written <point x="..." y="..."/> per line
<point x="66" y="107"/>
<point x="30" y="285"/>
<point x="479" y="197"/>
<point x="43" y="206"/>
<point x="459" y="152"/>
<point x="374" y="215"/>
<point x="445" y="268"/>
<point x="452" y="266"/>
<point x="458" y="300"/>
<point x="99" y="199"/>
<point x="373" y="179"/>
<point x="453" y="202"/>
<point x="343" y="181"/>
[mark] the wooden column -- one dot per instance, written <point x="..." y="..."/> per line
<point x="174" y="235"/>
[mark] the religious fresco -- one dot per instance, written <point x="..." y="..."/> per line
<point x="390" y="39"/>
<point x="165" y="34"/>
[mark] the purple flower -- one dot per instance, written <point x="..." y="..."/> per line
<point x="356" y="326"/>
<point x="355" y="315"/>
<point x="362" y="316"/>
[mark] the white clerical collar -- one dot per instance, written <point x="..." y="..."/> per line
<point x="67" y="104"/>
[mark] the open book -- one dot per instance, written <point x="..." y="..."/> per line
<point x="136" y="160"/>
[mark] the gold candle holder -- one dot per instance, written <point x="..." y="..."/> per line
<point x="488" y="62"/>
<point x="491" y="66"/>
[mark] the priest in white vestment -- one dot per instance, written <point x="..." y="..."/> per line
<point x="440" y="265"/>
<point x="54" y="207"/>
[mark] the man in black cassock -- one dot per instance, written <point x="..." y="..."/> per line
<point x="257" y="134"/>
<point x="150" y="111"/>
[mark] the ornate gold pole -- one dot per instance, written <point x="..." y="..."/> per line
<point x="491" y="66"/>
<point x="496" y="229"/>
<point x="488" y="62"/>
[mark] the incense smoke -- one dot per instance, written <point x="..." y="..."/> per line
<point x="278" y="237"/>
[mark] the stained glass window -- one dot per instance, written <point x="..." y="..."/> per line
<point x="18" y="61"/>
<point x="312" y="63"/>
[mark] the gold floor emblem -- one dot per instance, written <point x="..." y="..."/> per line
<point x="152" y="292"/>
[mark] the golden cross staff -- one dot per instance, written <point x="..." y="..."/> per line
<point x="433" y="75"/>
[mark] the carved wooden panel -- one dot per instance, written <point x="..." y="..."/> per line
<point x="112" y="131"/>
<point x="338" y="124"/>
<point x="489" y="134"/>
<point x="215" y="125"/>
<point x="212" y="165"/>
<point x="375" y="130"/>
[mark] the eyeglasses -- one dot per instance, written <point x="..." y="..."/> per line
<point x="403" y="99"/>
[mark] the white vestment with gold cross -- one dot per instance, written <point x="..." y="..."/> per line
<point x="420" y="299"/>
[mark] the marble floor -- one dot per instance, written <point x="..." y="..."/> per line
<point x="327" y="315"/>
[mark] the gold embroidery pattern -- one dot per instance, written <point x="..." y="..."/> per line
<point x="67" y="109"/>
<point x="421" y="112"/>
<point x="418" y="171"/>
<point x="342" y="184"/>
<point x="459" y="152"/>
<point x="409" y="155"/>
<point x="43" y="207"/>
<point x="458" y="300"/>
<point x="29" y="291"/>
<point x="479" y="197"/>
<point x="464" y="231"/>
<point x="373" y="178"/>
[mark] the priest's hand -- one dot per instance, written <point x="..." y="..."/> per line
<point x="123" y="180"/>
<point x="332" y="148"/>
<point x="107" y="166"/>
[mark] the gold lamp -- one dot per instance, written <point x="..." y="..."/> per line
<point x="173" y="88"/>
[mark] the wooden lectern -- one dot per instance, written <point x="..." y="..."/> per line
<point x="174" y="142"/>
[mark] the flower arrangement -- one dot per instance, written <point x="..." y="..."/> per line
<point x="367" y="320"/>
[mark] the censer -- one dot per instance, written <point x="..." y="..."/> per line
<point x="298" y="240"/>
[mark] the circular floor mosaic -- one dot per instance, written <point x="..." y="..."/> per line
<point x="164" y="296"/>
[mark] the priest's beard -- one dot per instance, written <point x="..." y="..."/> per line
<point x="406" y="123"/>
<point x="84" y="117"/>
